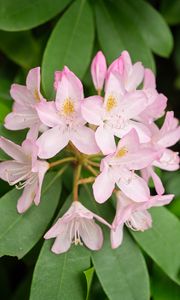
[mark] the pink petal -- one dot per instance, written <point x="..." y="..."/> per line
<point x="48" y="113"/>
<point x="158" y="200"/>
<point x="142" y="130"/>
<point x="13" y="150"/>
<point x="114" y="87"/>
<point x="105" y="140"/>
<point x="157" y="182"/>
<point x="135" y="77"/>
<point x="56" y="229"/>
<point x="33" y="132"/>
<point x="84" y="140"/>
<point x="133" y="104"/>
<point x="116" y="236"/>
<point x="98" y="70"/>
<point x="149" y="79"/>
<point x="91" y="234"/>
<point x="63" y="241"/>
<point x="130" y="141"/>
<point x="11" y="171"/>
<point x="43" y="167"/>
<point x="92" y="109"/>
<point x="133" y="186"/>
<point x="27" y="198"/>
<point x="33" y="80"/>
<point x="103" y="187"/>
<point x="52" y="141"/>
<point x="70" y="87"/>
<point x="57" y="78"/>
<point x="169" y="161"/>
<point x="21" y="95"/>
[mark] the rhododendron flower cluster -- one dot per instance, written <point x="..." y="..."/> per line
<point x="113" y="135"/>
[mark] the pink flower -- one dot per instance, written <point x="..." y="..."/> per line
<point x="24" y="114"/>
<point x="114" y="116"/>
<point x="117" y="168"/>
<point x="156" y="102"/>
<point x="162" y="138"/>
<point x="134" y="215"/>
<point x="98" y="70"/>
<point x="64" y="116"/>
<point x="24" y="171"/>
<point x="131" y="75"/>
<point x="76" y="226"/>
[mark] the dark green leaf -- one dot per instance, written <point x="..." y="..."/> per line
<point x="20" y="47"/>
<point x="89" y="277"/>
<point x="161" y="242"/>
<point x="162" y="287"/>
<point x="19" y="233"/>
<point x="122" y="272"/>
<point x="151" y="25"/>
<point x="70" y="44"/>
<point x="117" y="32"/>
<point x="171" y="11"/>
<point x="20" y="15"/>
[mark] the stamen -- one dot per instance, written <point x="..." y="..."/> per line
<point x="122" y="152"/>
<point x="68" y="107"/>
<point x="111" y="103"/>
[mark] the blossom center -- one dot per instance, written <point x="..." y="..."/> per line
<point x="111" y="103"/>
<point x="122" y="152"/>
<point x="36" y="96"/>
<point x="68" y="107"/>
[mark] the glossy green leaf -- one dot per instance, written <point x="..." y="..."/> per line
<point x="20" y="47"/>
<point x="171" y="11"/>
<point x="162" y="287"/>
<point x="122" y="272"/>
<point x="151" y="26"/>
<point x="117" y="32"/>
<point x="70" y="44"/>
<point x="20" y="15"/>
<point x="20" y="232"/>
<point x="89" y="277"/>
<point x="162" y="242"/>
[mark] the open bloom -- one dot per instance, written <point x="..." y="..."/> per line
<point x="115" y="116"/>
<point x="167" y="136"/>
<point x="64" y="116"/>
<point x="76" y="226"/>
<point x="24" y="171"/>
<point x="24" y="114"/>
<point x="134" y="215"/>
<point x="98" y="70"/>
<point x="118" y="168"/>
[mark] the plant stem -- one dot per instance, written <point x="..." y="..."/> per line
<point x="61" y="161"/>
<point x="86" y="180"/>
<point x="77" y="174"/>
<point x="91" y="169"/>
<point x="92" y="163"/>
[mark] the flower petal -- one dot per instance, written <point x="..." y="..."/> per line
<point x="24" y="118"/>
<point x="33" y="80"/>
<point x="43" y="167"/>
<point x="63" y="241"/>
<point x="84" y="140"/>
<point x="52" y="141"/>
<point x="92" y="110"/>
<point x="91" y="234"/>
<point x="27" y="197"/>
<point x="157" y="182"/>
<point x="13" y="171"/>
<point x="21" y="95"/>
<point x="105" y="140"/>
<point x="135" y="77"/>
<point x="48" y="113"/>
<point x="116" y="236"/>
<point x="13" y="150"/>
<point x="103" y="187"/>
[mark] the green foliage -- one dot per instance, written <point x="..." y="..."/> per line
<point x="69" y="44"/>
<point x="19" y="233"/>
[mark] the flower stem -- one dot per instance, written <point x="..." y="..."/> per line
<point x="61" y="161"/>
<point x="86" y="180"/>
<point x="91" y="169"/>
<point x="92" y="163"/>
<point x="77" y="174"/>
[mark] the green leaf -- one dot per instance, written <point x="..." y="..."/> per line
<point x="122" y="272"/>
<point x="117" y="32"/>
<point x="162" y="287"/>
<point x="151" y="25"/>
<point x="70" y="44"/>
<point x="171" y="11"/>
<point x="89" y="273"/>
<point x="19" y="233"/>
<point x="20" y="15"/>
<point x="20" y="47"/>
<point x="161" y="242"/>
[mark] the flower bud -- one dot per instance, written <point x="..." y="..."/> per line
<point x="98" y="70"/>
